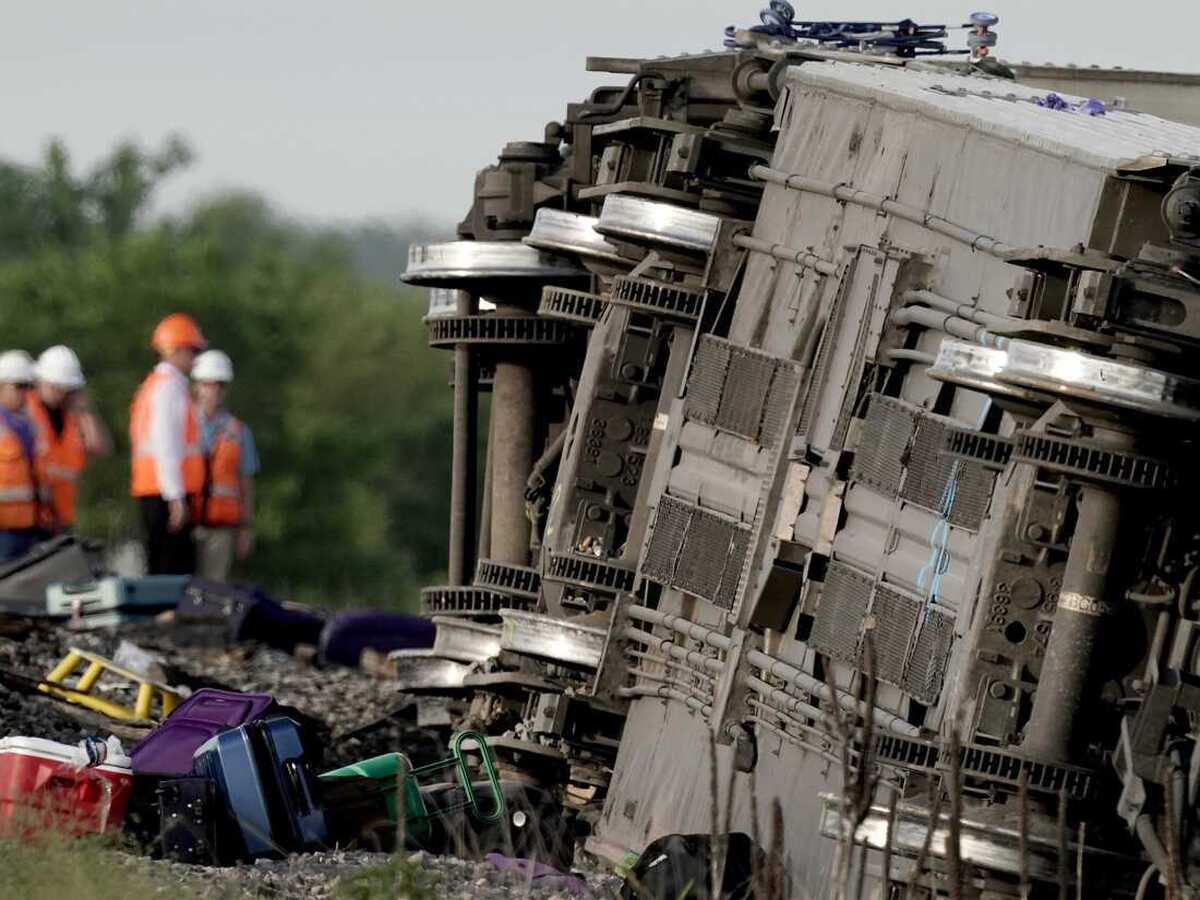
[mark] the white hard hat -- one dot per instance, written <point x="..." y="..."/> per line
<point x="213" y="365"/>
<point x="16" y="367"/>
<point x="60" y="366"/>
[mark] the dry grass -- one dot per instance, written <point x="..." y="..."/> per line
<point x="54" y="867"/>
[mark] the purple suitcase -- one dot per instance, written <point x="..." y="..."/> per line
<point x="168" y="749"/>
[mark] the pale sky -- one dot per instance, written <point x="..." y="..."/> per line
<point x="344" y="109"/>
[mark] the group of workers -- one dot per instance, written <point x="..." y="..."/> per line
<point x="193" y="463"/>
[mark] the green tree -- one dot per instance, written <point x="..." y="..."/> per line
<point x="349" y="407"/>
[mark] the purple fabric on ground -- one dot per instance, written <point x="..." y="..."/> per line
<point x="539" y="872"/>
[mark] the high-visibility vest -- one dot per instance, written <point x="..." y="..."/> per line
<point x="222" y="501"/>
<point x="18" y="486"/>
<point x="144" y="481"/>
<point x="61" y="458"/>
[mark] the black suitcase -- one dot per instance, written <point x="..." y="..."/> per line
<point x="190" y="828"/>
<point x="212" y="614"/>
<point x="681" y="865"/>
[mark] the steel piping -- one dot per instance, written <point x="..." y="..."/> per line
<point x="664" y="645"/>
<point x="802" y="258"/>
<point x="672" y="665"/>
<point x="966" y="311"/>
<point x="786" y="702"/>
<point x="955" y="326"/>
<point x="810" y="684"/>
<point x="663" y="692"/>
<point x="974" y="239"/>
<point x="683" y="626"/>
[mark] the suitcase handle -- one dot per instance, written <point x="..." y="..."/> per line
<point x="77" y="587"/>
<point x="295" y="772"/>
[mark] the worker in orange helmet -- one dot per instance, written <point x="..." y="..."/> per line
<point x="164" y="435"/>
<point x="68" y="432"/>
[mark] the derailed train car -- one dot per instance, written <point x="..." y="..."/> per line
<point x="841" y="412"/>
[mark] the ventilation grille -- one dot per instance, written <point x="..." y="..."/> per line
<point x="903" y="454"/>
<point x="895" y="620"/>
<point x="837" y="626"/>
<point x="879" y="460"/>
<point x="912" y="646"/>
<point x="741" y="391"/>
<point x="696" y="551"/>
<point x="927" y="668"/>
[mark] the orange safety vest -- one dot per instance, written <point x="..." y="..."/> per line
<point x="18" y="486"/>
<point x="144" y="481"/>
<point x="222" y="501"/>
<point x="61" y="458"/>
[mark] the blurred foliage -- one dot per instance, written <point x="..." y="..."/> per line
<point x="349" y="407"/>
<point x="53" y="866"/>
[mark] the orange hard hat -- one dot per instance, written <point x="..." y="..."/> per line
<point x="177" y="330"/>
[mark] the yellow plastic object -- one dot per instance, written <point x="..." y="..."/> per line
<point x="94" y="666"/>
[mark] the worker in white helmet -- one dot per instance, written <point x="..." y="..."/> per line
<point x="18" y="455"/>
<point x="68" y="432"/>
<point x="225" y="513"/>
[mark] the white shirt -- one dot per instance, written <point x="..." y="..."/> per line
<point x="168" y="419"/>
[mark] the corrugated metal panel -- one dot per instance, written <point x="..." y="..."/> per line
<point x="895" y="619"/>
<point x="927" y="668"/>
<point x="703" y="399"/>
<point x="838" y="623"/>
<point x="879" y="457"/>
<point x="1007" y="110"/>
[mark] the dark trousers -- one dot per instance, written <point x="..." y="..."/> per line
<point x="167" y="552"/>
<point x="15" y="544"/>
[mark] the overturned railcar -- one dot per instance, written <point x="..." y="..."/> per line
<point x="841" y="430"/>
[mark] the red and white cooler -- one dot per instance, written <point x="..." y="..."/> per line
<point x="45" y="784"/>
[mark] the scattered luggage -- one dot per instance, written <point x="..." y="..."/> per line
<point x="215" y="614"/>
<point x="113" y="600"/>
<point x="386" y="772"/>
<point x="267" y="792"/>
<point x="168" y="750"/>
<point x="347" y="635"/>
<point x="23" y="582"/>
<point x="191" y="828"/>
<point x="154" y="700"/>
<point x="679" y="865"/>
<point x="69" y="790"/>
<point x="357" y="812"/>
<point x="529" y="824"/>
